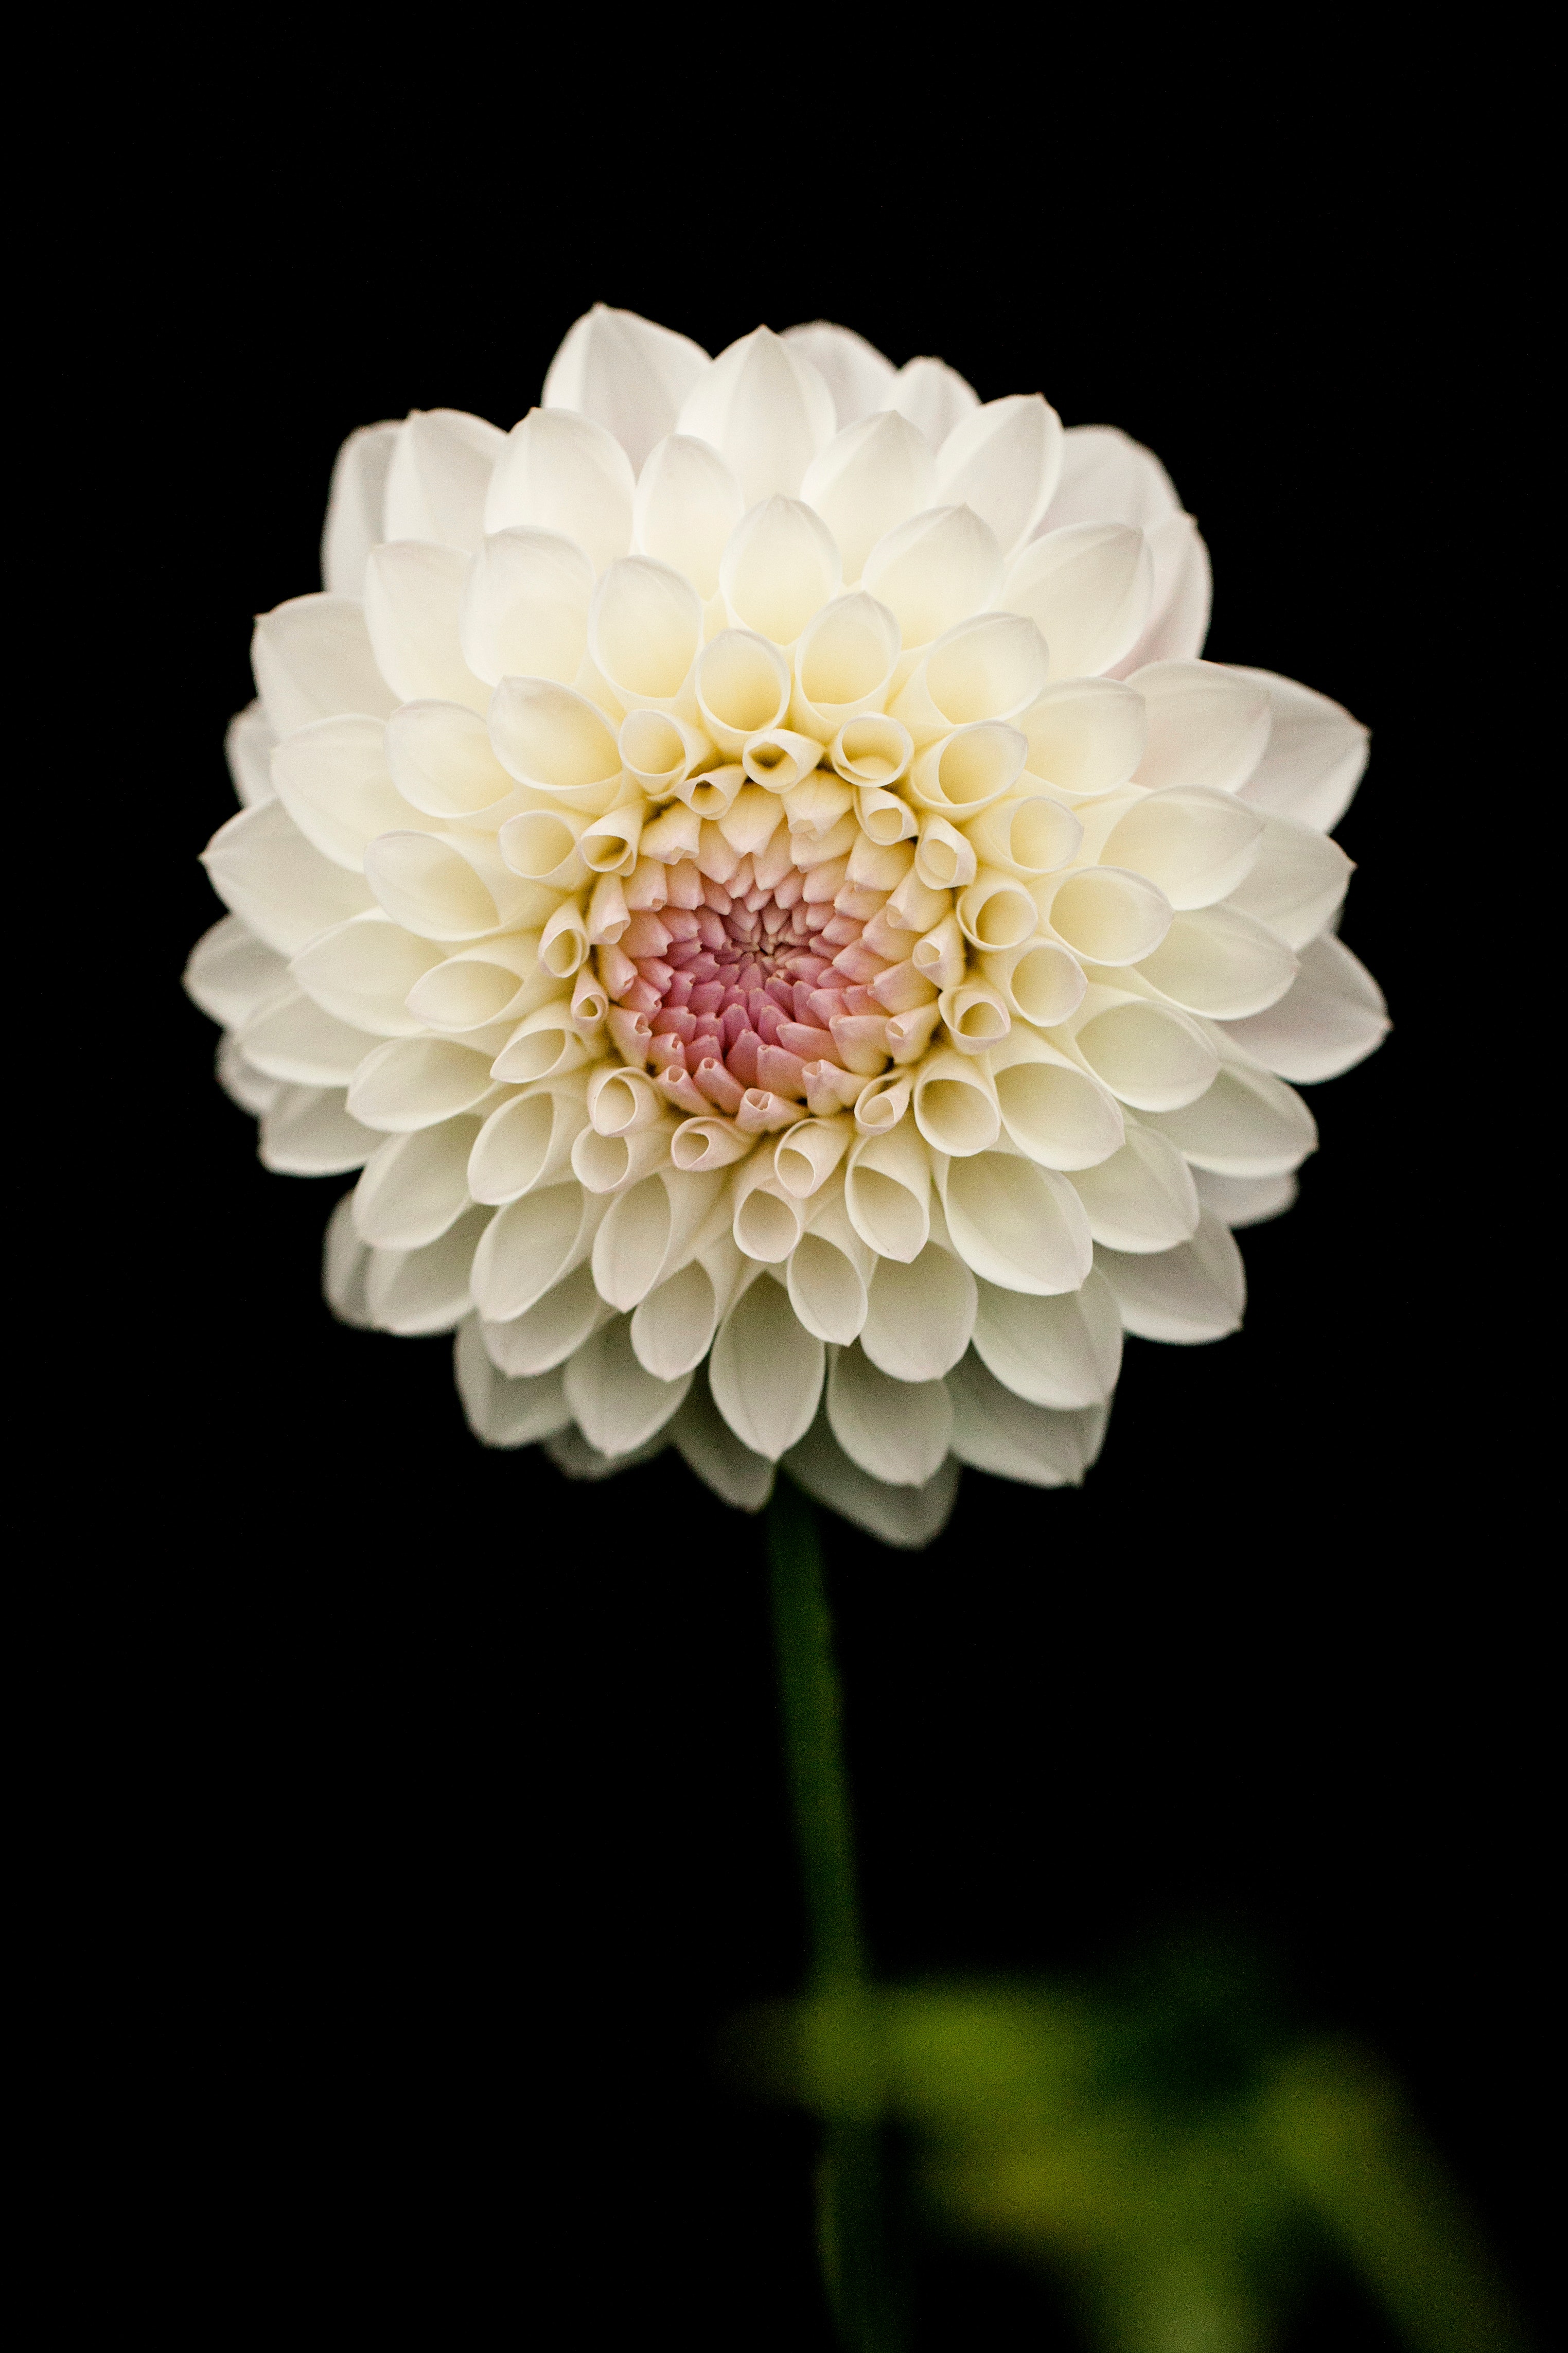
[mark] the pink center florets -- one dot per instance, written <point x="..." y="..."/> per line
<point x="749" y="987"/>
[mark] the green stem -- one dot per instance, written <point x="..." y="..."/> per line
<point x="851" y="2207"/>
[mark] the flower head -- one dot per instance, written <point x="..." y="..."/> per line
<point x="750" y="868"/>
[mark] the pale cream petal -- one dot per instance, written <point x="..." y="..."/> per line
<point x="440" y="758"/>
<point x="1004" y="459"/>
<point x="766" y="409"/>
<point x="1105" y="914"/>
<point x="1296" y="883"/>
<point x="289" y="1037"/>
<point x="267" y="873"/>
<point x="550" y="1330"/>
<point x="992" y="666"/>
<point x="673" y="1327"/>
<point x="616" y="1402"/>
<point x="919" y="1316"/>
<point x="248" y="748"/>
<point x="309" y="1132"/>
<point x="1014" y="1223"/>
<point x="524" y="611"/>
<point x="1055" y="1114"/>
<point x="364" y="971"/>
<point x="556" y="742"/>
<point x="955" y="1104"/>
<point x="1206" y="725"/>
<point x="907" y="1517"/>
<point x="1245" y="1200"/>
<point x="1041" y="982"/>
<point x="827" y="1275"/>
<point x="333" y="780"/>
<point x="1186" y="1295"/>
<point x="503" y="1412"/>
<point x="896" y="1430"/>
<point x="1198" y="845"/>
<point x="1330" y="1018"/>
<point x="650" y="1230"/>
<point x="449" y="883"/>
<point x="231" y="972"/>
<point x="1064" y="1351"/>
<point x="1086" y="737"/>
<point x="1107" y="477"/>
<point x="1087" y="589"/>
<point x="779" y="567"/>
<point x="562" y="473"/>
<point x="999" y="1431"/>
<point x="1316" y="755"/>
<point x="707" y="1446"/>
<point x="412" y="1082"/>
<point x="356" y="507"/>
<point x="934" y="571"/>
<point x="627" y="374"/>
<point x="442" y="461"/>
<point x="933" y="396"/>
<point x="412" y="598"/>
<point x="345" y="1261"/>
<point x="1149" y="1055"/>
<point x="412" y="1188"/>
<point x="1143" y="1197"/>
<point x="530" y="1246"/>
<point x="313" y="659"/>
<point x="743" y="688"/>
<point x="870" y="478"/>
<point x="1178" y="606"/>
<point x="1220" y="962"/>
<point x="844" y="667"/>
<point x="645" y="630"/>
<point x="860" y="379"/>
<point x="688" y="503"/>
<point x="887" y="1192"/>
<point x="765" y="1371"/>
<point x="526" y="1142"/>
<point x="1248" y="1124"/>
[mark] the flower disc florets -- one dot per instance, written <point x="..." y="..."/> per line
<point x="750" y="867"/>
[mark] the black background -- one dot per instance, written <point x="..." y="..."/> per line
<point x="434" y="1819"/>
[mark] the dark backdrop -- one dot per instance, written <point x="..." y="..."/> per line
<point x="444" y="1823"/>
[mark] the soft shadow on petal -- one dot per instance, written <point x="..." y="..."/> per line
<point x="709" y="1446"/>
<point x="999" y="1431"/>
<point x="1316" y="755"/>
<point x="1004" y="460"/>
<point x="562" y="473"/>
<point x="231" y="972"/>
<point x="931" y="395"/>
<point x="356" y="507"/>
<point x="627" y="374"/>
<point x="766" y="409"/>
<point x="855" y="373"/>
<point x="248" y="748"/>
<point x="309" y="1132"/>
<point x="909" y="1517"/>
<point x="503" y="1412"/>
<point x="1178" y="606"/>
<point x="266" y="872"/>
<point x="441" y="466"/>
<point x="313" y="659"/>
<point x="1187" y="1295"/>
<point x="1331" y="1018"/>
<point x="1107" y="477"/>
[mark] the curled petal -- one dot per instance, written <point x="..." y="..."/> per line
<point x="779" y="567"/>
<point x="415" y="1187"/>
<point x="1296" y="881"/>
<point x="412" y="1082"/>
<point x="552" y="1329"/>
<point x="413" y="597"/>
<point x="1220" y="962"/>
<point x="289" y="1037"/>
<point x="1206" y="725"/>
<point x="310" y="1132"/>
<point x="1197" y="845"/>
<point x="1086" y="737"/>
<point x="1014" y="1223"/>
<point x="765" y="1371"/>
<point x="527" y="1142"/>
<point x="644" y="632"/>
<point x="363" y="970"/>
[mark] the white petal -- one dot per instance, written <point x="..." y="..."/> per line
<point x="1149" y="1055"/>
<point x="1087" y="589"/>
<point x="645" y="631"/>
<point x="673" y="1327"/>
<point x="1086" y="736"/>
<point x="1248" y="1124"/>
<point x="1331" y="1018"/>
<point x="887" y="1193"/>
<point x="363" y="971"/>
<point x="531" y="1246"/>
<point x="264" y="869"/>
<point x="870" y="478"/>
<point x="999" y="1431"/>
<point x="1055" y="1114"/>
<point x="416" y="1292"/>
<point x="897" y="1430"/>
<point x="414" y="1186"/>
<point x="617" y="1404"/>
<point x="1197" y="844"/>
<point x="1107" y="477"/>
<point x="909" y="1517"/>
<point x="687" y="502"/>
<point x="1245" y="1200"/>
<point x="1221" y="963"/>
<point x="441" y="761"/>
<point x="843" y="665"/>
<point x="356" y="508"/>
<point x="1315" y="757"/>
<point x="1206" y="725"/>
<point x="1065" y="1353"/>
<point x="241" y="1083"/>
<point x="993" y="666"/>
<point x="1194" y="1293"/>
<point x="345" y="1261"/>
<point x="855" y="373"/>
<point x="1296" y="883"/>
<point x="1179" y="607"/>
<point x="550" y="1330"/>
<point x="934" y="571"/>
<point x="451" y="884"/>
<point x="765" y="1371"/>
<point x="1143" y="1197"/>
<point x="576" y="1459"/>
<point x="779" y="568"/>
<point x="525" y="608"/>
<point x="309" y="1132"/>
<point x="627" y="374"/>
<point x="650" y="1229"/>
<point x="766" y="410"/>
<point x="1004" y="460"/>
<point x="412" y="1082"/>
<point x="500" y="1411"/>
<point x="247" y="747"/>
<point x="708" y="1445"/>
<point x="289" y="1037"/>
<point x="333" y="780"/>
<point x="1015" y="1224"/>
<point x="231" y="972"/>
<point x="313" y="659"/>
<point x="546" y="736"/>
<point x="826" y="1280"/>
<point x="933" y="396"/>
<point x="919" y="1316"/>
<point x="564" y="473"/>
<point x="441" y="468"/>
<point x="413" y="597"/>
<point x="527" y="1142"/>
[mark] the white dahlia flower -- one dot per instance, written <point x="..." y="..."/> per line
<point x="750" y="867"/>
